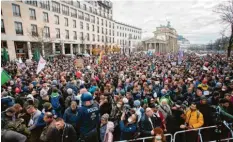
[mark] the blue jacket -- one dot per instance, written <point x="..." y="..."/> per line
<point x="40" y="122"/>
<point x="127" y="132"/>
<point x="71" y="117"/>
<point x="88" y="118"/>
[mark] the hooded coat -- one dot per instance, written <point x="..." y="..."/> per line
<point x="108" y="137"/>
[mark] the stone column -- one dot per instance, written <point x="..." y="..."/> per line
<point x="62" y="48"/>
<point x="53" y="48"/>
<point x="85" y="48"/>
<point x="29" y="50"/>
<point x="90" y="49"/>
<point x="11" y="49"/>
<point x="71" y="49"/>
<point x="79" y="48"/>
<point x="42" y="47"/>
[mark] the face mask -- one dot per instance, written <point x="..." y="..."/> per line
<point x="158" y="137"/>
<point x="129" y="120"/>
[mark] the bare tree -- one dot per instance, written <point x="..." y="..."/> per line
<point x="225" y="10"/>
<point x="82" y="39"/>
<point x="41" y="37"/>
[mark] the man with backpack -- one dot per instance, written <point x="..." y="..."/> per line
<point x="193" y="119"/>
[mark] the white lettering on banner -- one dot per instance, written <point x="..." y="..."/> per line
<point x="90" y="110"/>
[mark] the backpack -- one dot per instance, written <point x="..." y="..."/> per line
<point x="55" y="101"/>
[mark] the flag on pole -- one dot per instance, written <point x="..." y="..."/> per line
<point x="41" y="64"/>
<point x="180" y="56"/>
<point x="4" y="77"/>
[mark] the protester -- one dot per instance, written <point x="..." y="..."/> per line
<point x="122" y="87"/>
<point x="106" y="129"/>
<point x="63" y="132"/>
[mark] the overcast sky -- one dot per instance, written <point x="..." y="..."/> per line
<point x="194" y="19"/>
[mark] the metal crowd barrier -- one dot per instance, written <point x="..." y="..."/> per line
<point x="147" y="138"/>
<point x="197" y="129"/>
<point x="173" y="137"/>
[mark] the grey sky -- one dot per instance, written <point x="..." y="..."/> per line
<point x="193" y="19"/>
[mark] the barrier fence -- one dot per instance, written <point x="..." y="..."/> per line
<point x="172" y="138"/>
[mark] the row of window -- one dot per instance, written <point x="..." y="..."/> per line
<point x="16" y="12"/>
<point x="129" y="36"/>
<point x="46" y="33"/>
<point x="127" y="29"/>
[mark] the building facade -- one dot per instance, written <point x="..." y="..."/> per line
<point x="164" y="40"/>
<point x="65" y="27"/>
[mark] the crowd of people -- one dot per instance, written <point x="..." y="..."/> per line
<point x="119" y="98"/>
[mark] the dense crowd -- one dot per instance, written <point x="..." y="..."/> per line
<point x="119" y="98"/>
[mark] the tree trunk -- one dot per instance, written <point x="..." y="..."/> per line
<point x="230" y="42"/>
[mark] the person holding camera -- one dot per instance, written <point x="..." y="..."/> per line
<point x="129" y="128"/>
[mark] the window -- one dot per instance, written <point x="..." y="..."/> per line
<point x="81" y="36"/>
<point x="109" y="31"/>
<point x="90" y="9"/>
<point x="67" y="34"/>
<point x="34" y="30"/>
<point x="56" y="19"/>
<point x="110" y="24"/>
<point x="2" y="26"/>
<point x="98" y="20"/>
<point x="102" y="30"/>
<point x="88" y="37"/>
<point x="87" y="26"/>
<point x="112" y="33"/>
<point x="55" y="7"/>
<point x="18" y="28"/>
<point x="106" y="23"/>
<point x="74" y="23"/>
<point x="57" y="33"/>
<point x="65" y="10"/>
<point x="102" y="22"/>
<point x="106" y="39"/>
<point x="80" y="15"/>
<point x="98" y="38"/>
<point x="84" y="7"/>
<point x="93" y="37"/>
<point x="44" y="5"/>
<point x="102" y="38"/>
<point x="78" y="4"/>
<point x="32" y="14"/>
<point x="117" y="33"/>
<point x="113" y="40"/>
<point x="93" y="28"/>
<point x="110" y="39"/>
<point x="106" y="31"/>
<point x="93" y="19"/>
<point x="66" y="22"/>
<point x="16" y="10"/>
<point x="98" y="29"/>
<point x="46" y="17"/>
<point x="87" y="17"/>
<point x="73" y="13"/>
<point x="31" y="2"/>
<point x="75" y="35"/>
<point x="81" y="25"/>
<point x="46" y="32"/>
